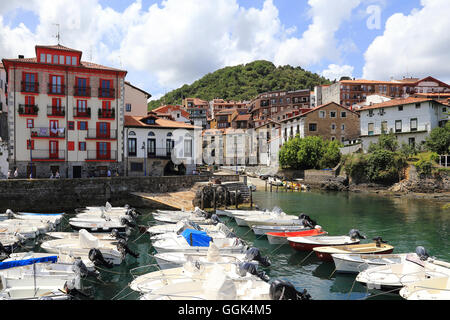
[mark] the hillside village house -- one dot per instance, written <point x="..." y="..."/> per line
<point x="64" y="114"/>
<point x="136" y="101"/>
<point x="198" y="111"/>
<point x="268" y="143"/>
<point x="175" y="113"/>
<point x="157" y="147"/>
<point x="330" y="121"/>
<point x="213" y="146"/>
<point x="410" y="119"/>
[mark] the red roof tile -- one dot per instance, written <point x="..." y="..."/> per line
<point x="395" y="102"/>
<point x="131" y="121"/>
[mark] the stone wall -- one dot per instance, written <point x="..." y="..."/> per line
<point x="67" y="194"/>
<point x="318" y="176"/>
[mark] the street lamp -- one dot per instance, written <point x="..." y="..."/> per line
<point x="145" y="159"/>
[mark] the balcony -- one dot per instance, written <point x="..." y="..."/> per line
<point x="48" y="133"/>
<point x="101" y="155"/>
<point x="159" y="153"/>
<point x="57" y="89"/>
<point x="82" y="113"/>
<point x="30" y="87"/>
<point x="106" y="92"/>
<point x="81" y="91"/>
<point x="54" y="111"/>
<point x="48" y="155"/>
<point x="28" y="110"/>
<point x="107" y="113"/>
<point x="101" y="135"/>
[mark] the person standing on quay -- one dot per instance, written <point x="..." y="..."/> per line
<point x="16" y="173"/>
<point x="9" y="174"/>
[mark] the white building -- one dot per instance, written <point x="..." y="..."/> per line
<point x="156" y="147"/>
<point x="410" y="119"/>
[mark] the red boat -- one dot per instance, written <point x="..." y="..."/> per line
<point x="281" y="237"/>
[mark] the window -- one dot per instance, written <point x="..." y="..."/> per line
<point x="128" y="107"/>
<point x="70" y="145"/>
<point x="82" y="125"/>
<point x="370" y="129"/>
<point x="332" y="114"/>
<point x="132" y="149"/>
<point x="400" y="108"/>
<point x="42" y="57"/>
<point x="74" y="61"/>
<point x="30" y="144"/>
<point x="322" y="114"/>
<point x="398" y="126"/>
<point x="55" y="59"/>
<point x="188" y="148"/>
<point x="30" y="123"/>
<point x="417" y="105"/>
<point x="61" y="59"/>
<point x="56" y="85"/>
<point x="136" y="166"/>
<point x="49" y="58"/>
<point x="343" y="114"/>
<point x="82" y="146"/>
<point x="333" y="138"/>
<point x="384" y="127"/>
<point x="151" y="134"/>
<point x="444" y="109"/>
<point x="413" y="124"/>
<point x="71" y="125"/>
<point x="68" y="60"/>
<point x="343" y="127"/>
<point x="313" y="127"/>
<point x="333" y="127"/>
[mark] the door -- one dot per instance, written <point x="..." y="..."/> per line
<point x="169" y="146"/>
<point x="54" y="128"/>
<point x="103" y="151"/>
<point x="151" y="147"/>
<point x="29" y="105"/>
<point x="82" y="87"/>
<point x="53" y="149"/>
<point x="33" y="170"/>
<point x="77" y="172"/>
<point x="103" y="130"/>
<point x="56" y="107"/>
<point x="56" y="84"/>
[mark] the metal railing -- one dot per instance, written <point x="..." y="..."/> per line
<point x="57" y="111"/>
<point x="28" y="109"/>
<point x="82" y="113"/>
<point x="106" y="113"/>
<point x="81" y="91"/>
<point x="32" y="87"/>
<point x="57" y="155"/>
<point x="94" y="134"/>
<point x="101" y="155"/>
<point x="48" y="133"/>
<point x="106" y="92"/>
<point x="56" y="89"/>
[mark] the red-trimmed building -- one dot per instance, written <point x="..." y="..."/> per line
<point x="64" y="114"/>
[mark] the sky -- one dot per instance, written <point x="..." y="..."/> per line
<point x="166" y="44"/>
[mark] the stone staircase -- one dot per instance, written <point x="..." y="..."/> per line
<point x="233" y="186"/>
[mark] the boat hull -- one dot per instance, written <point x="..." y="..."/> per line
<point x="325" y="256"/>
<point x="301" y="246"/>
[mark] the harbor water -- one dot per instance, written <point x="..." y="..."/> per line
<point x="403" y="223"/>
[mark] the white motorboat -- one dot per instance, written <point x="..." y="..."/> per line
<point x="168" y="260"/>
<point x="19" y="226"/>
<point x="429" y="289"/>
<point x="355" y="263"/>
<point x="39" y="288"/>
<point x="273" y="220"/>
<point x="231" y="212"/>
<point x="309" y="243"/>
<point x="86" y="245"/>
<point x="171" y="227"/>
<point x="54" y="218"/>
<point x="396" y="276"/>
<point x="217" y="283"/>
<point x="98" y="224"/>
<point x="61" y="258"/>
<point x="196" y="241"/>
<point x="76" y="235"/>
<point x="27" y="232"/>
<point x="261" y="230"/>
<point x="107" y="208"/>
<point x="9" y="242"/>
<point x="215" y="231"/>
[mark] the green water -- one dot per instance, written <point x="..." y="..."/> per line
<point x="404" y="223"/>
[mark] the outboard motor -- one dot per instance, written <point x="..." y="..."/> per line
<point x="422" y="253"/>
<point x="207" y="215"/>
<point x="195" y="225"/>
<point x="284" y="290"/>
<point x="127" y="221"/>
<point x="4" y="254"/>
<point x="251" y="268"/>
<point x="124" y="249"/>
<point x="80" y="268"/>
<point x="254" y="254"/>
<point x="379" y="241"/>
<point x="355" y="234"/>
<point x="97" y="258"/>
<point x="69" y="288"/>
<point x="131" y="213"/>
<point x="215" y="219"/>
<point x="9" y="214"/>
<point x="115" y="233"/>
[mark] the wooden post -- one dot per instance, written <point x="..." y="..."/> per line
<point x="277" y="187"/>
<point x="236" y="198"/>
<point x="226" y="199"/>
<point x="214" y="200"/>
<point x="251" y="198"/>
<point x="270" y="187"/>
<point x="202" y="202"/>
<point x="266" y="186"/>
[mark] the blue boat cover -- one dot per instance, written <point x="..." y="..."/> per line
<point x="26" y="262"/>
<point x="41" y="214"/>
<point x="196" y="238"/>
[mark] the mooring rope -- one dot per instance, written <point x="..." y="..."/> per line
<point x="306" y="257"/>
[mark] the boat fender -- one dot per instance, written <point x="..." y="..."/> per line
<point x="97" y="258"/>
<point x="10" y="214"/>
<point x="422" y="253"/>
<point x="255" y="254"/>
<point x="284" y="290"/>
<point x="124" y="249"/>
<point x="379" y="241"/>
<point x="251" y="268"/>
<point x="355" y="234"/>
<point x="127" y="221"/>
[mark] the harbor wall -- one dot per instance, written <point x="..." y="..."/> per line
<point x="66" y="194"/>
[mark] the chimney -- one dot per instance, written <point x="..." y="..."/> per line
<point x="21" y="56"/>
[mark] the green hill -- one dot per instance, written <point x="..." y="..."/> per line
<point x="243" y="82"/>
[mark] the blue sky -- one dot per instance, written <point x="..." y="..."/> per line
<point x="164" y="44"/>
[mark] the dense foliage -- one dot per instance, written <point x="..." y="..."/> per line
<point x="439" y="140"/>
<point x="384" y="164"/>
<point x="244" y="82"/>
<point x="309" y="153"/>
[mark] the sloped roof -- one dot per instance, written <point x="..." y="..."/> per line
<point x="395" y="102"/>
<point x="58" y="47"/>
<point x="136" y="122"/>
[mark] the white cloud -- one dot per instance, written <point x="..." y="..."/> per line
<point x="335" y="71"/>
<point x="416" y="45"/>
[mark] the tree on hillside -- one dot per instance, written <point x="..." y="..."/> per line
<point x="439" y="139"/>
